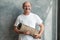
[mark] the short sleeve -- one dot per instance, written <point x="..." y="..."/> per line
<point x="38" y="20"/>
<point x="17" y="21"/>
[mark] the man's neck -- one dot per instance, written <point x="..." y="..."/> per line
<point x="25" y="13"/>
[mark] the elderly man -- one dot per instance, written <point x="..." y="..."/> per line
<point x="30" y="19"/>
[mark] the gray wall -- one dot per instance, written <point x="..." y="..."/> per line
<point x="10" y="9"/>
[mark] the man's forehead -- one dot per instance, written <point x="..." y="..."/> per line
<point x="27" y="2"/>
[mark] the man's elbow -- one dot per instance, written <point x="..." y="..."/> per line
<point x="42" y="26"/>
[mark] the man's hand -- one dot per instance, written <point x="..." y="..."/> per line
<point x="16" y="30"/>
<point x="37" y="36"/>
<point x="27" y="33"/>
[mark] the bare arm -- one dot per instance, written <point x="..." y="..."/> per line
<point x="17" y="30"/>
<point x="40" y="32"/>
<point x="41" y="29"/>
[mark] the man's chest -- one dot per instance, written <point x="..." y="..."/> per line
<point x="30" y="19"/>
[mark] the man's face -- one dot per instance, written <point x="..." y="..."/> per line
<point x="27" y="7"/>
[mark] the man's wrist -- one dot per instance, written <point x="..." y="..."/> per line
<point x="39" y="33"/>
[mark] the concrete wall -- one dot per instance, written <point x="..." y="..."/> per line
<point x="10" y="9"/>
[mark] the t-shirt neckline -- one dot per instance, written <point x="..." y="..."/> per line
<point x="27" y="15"/>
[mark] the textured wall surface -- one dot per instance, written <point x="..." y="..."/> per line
<point x="10" y="9"/>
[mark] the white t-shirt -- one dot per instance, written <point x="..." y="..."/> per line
<point x="31" y="20"/>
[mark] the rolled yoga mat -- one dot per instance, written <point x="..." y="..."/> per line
<point x="24" y="28"/>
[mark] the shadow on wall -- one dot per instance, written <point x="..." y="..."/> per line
<point x="15" y="13"/>
<point x="8" y="15"/>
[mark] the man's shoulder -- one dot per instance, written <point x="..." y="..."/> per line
<point x="19" y="15"/>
